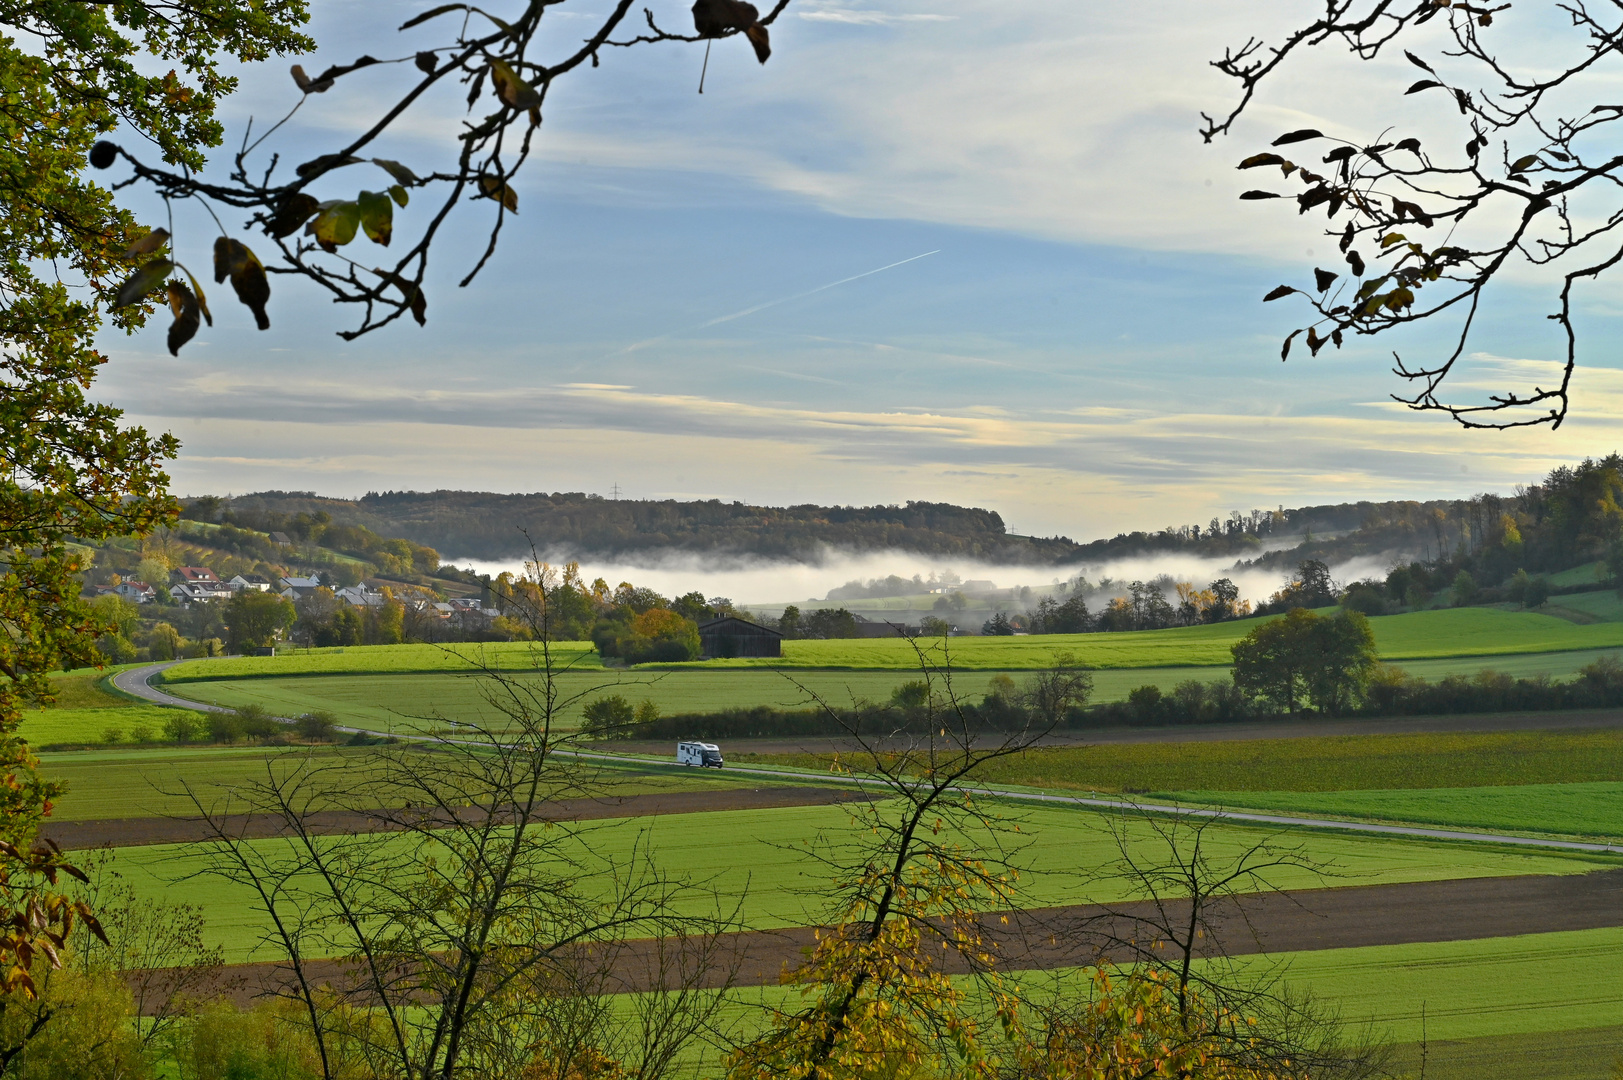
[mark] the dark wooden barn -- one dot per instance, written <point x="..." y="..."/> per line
<point x="730" y="636"/>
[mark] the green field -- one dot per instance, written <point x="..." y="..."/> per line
<point x="387" y="659"/>
<point x="1588" y="810"/>
<point x="1491" y="986"/>
<point x="104" y="784"/>
<point x="45" y="727"/>
<point x="759" y="854"/>
<point x="1603" y="605"/>
<point x="386" y="703"/>
<point x="1569" y="1054"/>
<point x="1457" y="632"/>
<point x="1323" y="763"/>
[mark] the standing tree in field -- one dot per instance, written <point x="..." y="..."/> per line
<point x="256" y="619"/>
<point x="1192" y="886"/>
<point x="1523" y="184"/>
<point x="922" y="860"/>
<point x="73" y="469"/>
<point x="1327" y="661"/>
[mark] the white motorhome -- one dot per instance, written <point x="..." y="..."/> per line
<point x="698" y="753"/>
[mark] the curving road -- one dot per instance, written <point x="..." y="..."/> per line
<point x="135" y="683"/>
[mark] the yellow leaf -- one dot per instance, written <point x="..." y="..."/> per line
<point x="197" y="290"/>
<point x="513" y="90"/>
<point x="496" y="189"/>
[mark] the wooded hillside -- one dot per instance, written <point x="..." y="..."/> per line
<point x="1560" y="516"/>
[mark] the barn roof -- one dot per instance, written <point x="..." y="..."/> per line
<point x="729" y="624"/>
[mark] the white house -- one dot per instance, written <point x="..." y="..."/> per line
<point x="200" y="592"/>
<point x="136" y="592"/>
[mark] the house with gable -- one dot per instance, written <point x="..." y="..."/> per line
<point x="297" y="588"/>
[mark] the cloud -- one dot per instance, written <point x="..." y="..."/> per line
<point x="865" y="16"/>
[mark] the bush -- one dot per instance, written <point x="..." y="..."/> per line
<point x="224" y="727"/>
<point x="266" y="1042"/>
<point x="182" y="726"/>
<point x="319" y="726"/>
<point x="88" y="1035"/>
<point x="609" y="717"/>
<point x="641" y="650"/>
<point x="911" y="695"/>
<point x="1145" y="701"/>
<point x="256" y="721"/>
<point x="1537" y="591"/>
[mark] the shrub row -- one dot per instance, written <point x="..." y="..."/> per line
<point x="1391" y="692"/>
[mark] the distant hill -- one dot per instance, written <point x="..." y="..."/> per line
<point x="1568" y="519"/>
<point x="481" y="525"/>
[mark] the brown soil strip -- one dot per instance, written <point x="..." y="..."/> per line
<point x="131" y="832"/>
<point x="1304" y="920"/>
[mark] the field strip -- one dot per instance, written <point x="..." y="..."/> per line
<point x="1298" y="921"/>
<point x="140" y="831"/>
<point x="134" y="682"/>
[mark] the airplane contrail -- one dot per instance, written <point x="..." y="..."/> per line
<point x="785" y="299"/>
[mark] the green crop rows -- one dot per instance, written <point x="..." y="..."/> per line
<point x="1589" y="810"/>
<point x="760" y="854"/>
<point x="1325" y="763"/>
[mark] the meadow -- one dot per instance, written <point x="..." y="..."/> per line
<point x="399" y="702"/>
<point x="760" y="855"/>
<point x="132" y="783"/>
<point x="1580" y="810"/>
<point x="1488" y="987"/>
<point x="1421" y="635"/>
<point x="390" y="702"/>
<point x="130" y="724"/>
<point x="1319" y="764"/>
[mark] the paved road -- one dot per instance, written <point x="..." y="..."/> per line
<point x="134" y="681"/>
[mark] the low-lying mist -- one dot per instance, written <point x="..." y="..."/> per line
<point x="769" y="585"/>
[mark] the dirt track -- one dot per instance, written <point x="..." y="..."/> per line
<point x="132" y="832"/>
<point x="1350" y="917"/>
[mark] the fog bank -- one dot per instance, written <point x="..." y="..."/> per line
<point x="766" y="584"/>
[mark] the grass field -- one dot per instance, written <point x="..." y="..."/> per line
<point x="384" y="701"/>
<point x="1580" y="575"/>
<point x="1590" y="810"/>
<point x="1565" y="1054"/>
<point x="386" y="659"/>
<point x="1488" y="987"/>
<point x="1458" y="632"/>
<point x="1603" y="605"/>
<point x="1325" y="763"/>
<point x="105" y="784"/>
<point x="132" y="723"/>
<point x="760" y="853"/>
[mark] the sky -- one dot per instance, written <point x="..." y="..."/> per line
<point x="955" y="250"/>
